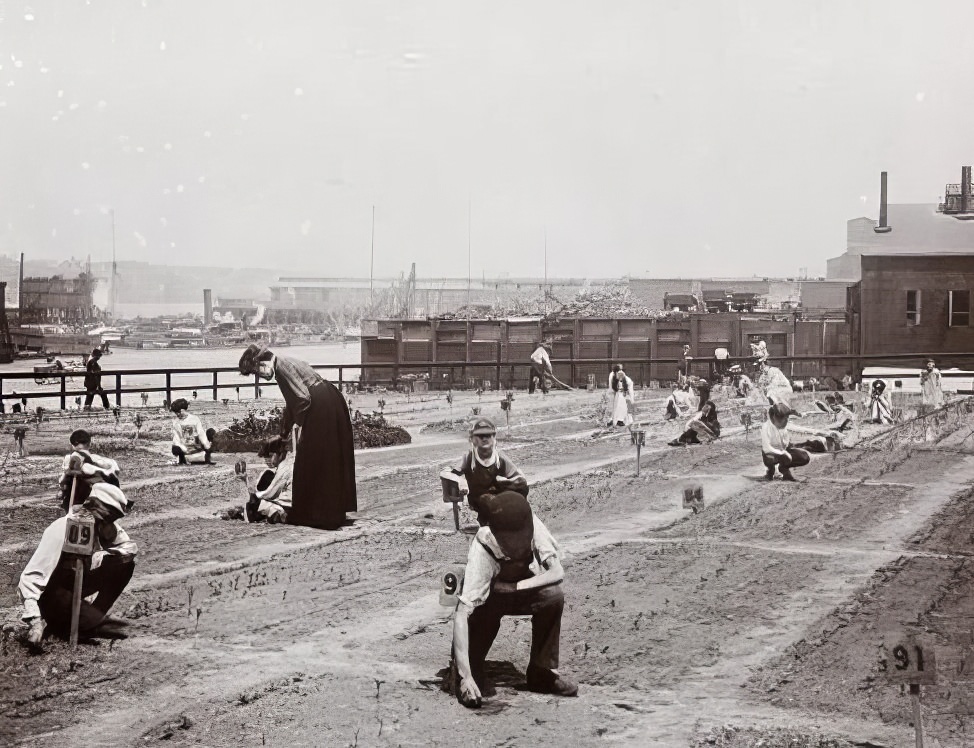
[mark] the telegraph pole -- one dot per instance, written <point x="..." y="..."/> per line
<point x="372" y="266"/>
<point x="114" y="291"/>
<point x="546" y="270"/>
<point x="469" y="211"/>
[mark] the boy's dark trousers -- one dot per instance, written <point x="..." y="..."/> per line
<point x="90" y="395"/>
<point x="108" y="580"/>
<point x="543" y="604"/>
<point x="538" y="370"/>
<point x="796" y="458"/>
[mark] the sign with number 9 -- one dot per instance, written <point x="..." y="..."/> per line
<point x="909" y="662"/>
<point x="451" y="585"/>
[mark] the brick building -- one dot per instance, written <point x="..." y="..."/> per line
<point x="914" y="303"/>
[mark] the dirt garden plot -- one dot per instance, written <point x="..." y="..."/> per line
<point x="755" y="622"/>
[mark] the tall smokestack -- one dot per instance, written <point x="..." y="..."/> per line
<point x="882" y="228"/>
<point x="965" y="189"/>
<point x="207" y="307"/>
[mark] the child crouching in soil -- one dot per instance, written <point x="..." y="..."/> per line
<point x="82" y="469"/>
<point x="776" y="449"/>
<point x="189" y="439"/>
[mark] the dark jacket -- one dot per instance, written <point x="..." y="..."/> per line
<point x="93" y="375"/>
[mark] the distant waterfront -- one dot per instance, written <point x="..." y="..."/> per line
<point x="128" y="358"/>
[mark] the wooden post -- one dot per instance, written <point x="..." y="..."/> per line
<point x="917" y="715"/>
<point x="216" y="386"/>
<point x="341" y="383"/>
<point x="79" y="573"/>
<point x="498" y="373"/>
<point x="256" y="386"/>
<point x="64" y="402"/>
<point x="169" y="387"/>
<point x="118" y="390"/>
<point x="456" y="515"/>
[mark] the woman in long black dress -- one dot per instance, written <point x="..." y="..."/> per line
<point x="323" y="487"/>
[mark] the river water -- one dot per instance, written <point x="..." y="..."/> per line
<point x="129" y="358"/>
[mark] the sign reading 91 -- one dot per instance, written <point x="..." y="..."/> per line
<point x="451" y="585"/>
<point x="909" y="662"/>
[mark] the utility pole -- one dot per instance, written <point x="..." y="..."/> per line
<point x="546" y="270"/>
<point x="114" y="290"/>
<point x="469" y="211"/>
<point x="372" y="266"/>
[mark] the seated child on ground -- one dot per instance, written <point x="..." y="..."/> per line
<point x="680" y="403"/>
<point x="270" y="498"/>
<point x="189" y="439"/>
<point x="703" y="424"/>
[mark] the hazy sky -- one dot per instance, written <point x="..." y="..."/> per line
<point x="670" y="138"/>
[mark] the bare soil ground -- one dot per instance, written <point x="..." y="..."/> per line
<point x="760" y="621"/>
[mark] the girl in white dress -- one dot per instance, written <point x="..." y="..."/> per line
<point x="622" y="402"/>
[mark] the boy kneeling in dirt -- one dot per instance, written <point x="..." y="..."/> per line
<point x="512" y="569"/>
<point x="82" y="469"/>
<point x="485" y="470"/>
<point x="189" y="439"/>
<point x="47" y="582"/>
<point x="776" y="449"/>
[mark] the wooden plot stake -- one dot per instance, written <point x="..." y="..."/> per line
<point x="506" y="407"/>
<point x="693" y="500"/>
<point x="79" y="581"/>
<point x="637" y="437"/>
<point x="79" y="541"/>
<point x="451" y="494"/>
<point x="240" y="469"/>
<point x="909" y="663"/>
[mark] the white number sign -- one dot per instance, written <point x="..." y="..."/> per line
<point x="451" y="585"/>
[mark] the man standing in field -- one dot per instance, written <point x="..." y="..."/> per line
<point x="93" y="381"/>
<point x="512" y="569"/>
<point x="540" y="368"/>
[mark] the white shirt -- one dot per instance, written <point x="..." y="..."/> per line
<point x="482" y="568"/>
<point x="279" y="489"/>
<point x="774" y="441"/>
<point x="97" y="464"/>
<point x="540" y="356"/>
<point x="188" y="434"/>
<point x="41" y="567"/>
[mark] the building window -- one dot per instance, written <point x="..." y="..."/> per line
<point x="959" y="313"/>
<point x="912" y="308"/>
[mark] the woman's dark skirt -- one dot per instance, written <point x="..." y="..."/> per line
<point x="323" y="488"/>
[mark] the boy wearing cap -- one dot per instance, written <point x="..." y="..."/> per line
<point x="188" y="436"/>
<point x="93" y="381"/>
<point x="512" y="569"/>
<point x="776" y="449"/>
<point x="486" y="471"/>
<point x="47" y="582"/>
<point x="82" y="469"/>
